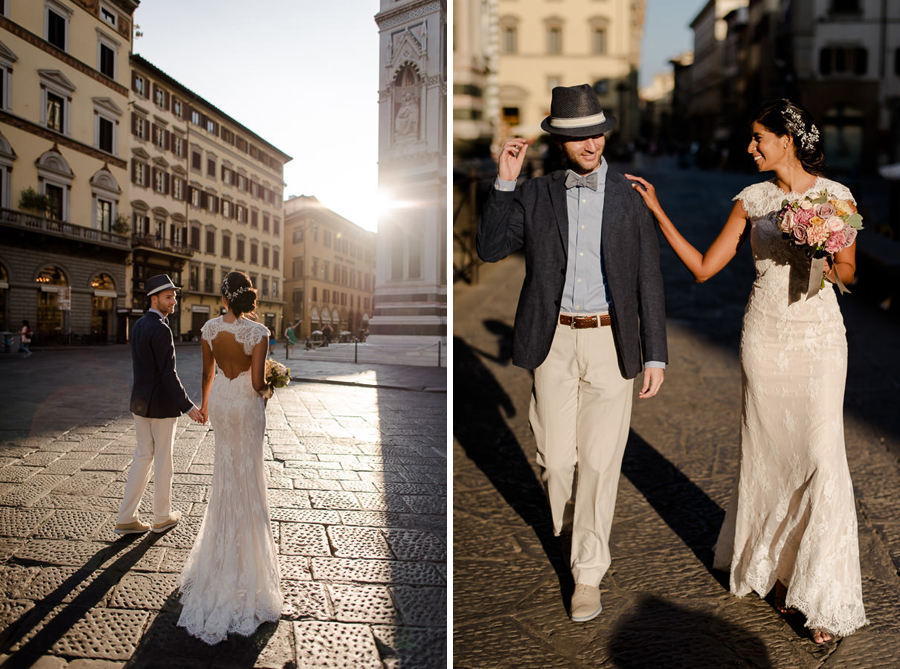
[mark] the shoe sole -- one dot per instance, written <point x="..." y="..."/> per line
<point x="160" y="530"/>
<point x="584" y="619"/>
<point x="132" y="531"/>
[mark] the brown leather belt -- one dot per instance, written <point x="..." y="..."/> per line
<point x="580" y="322"/>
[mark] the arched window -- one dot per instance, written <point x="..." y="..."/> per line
<point x="52" y="297"/>
<point x="106" y="194"/>
<point x="407" y="92"/>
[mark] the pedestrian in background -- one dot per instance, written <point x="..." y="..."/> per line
<point x="591" y="317"/>
<point x="25" y="339"/>
<point x="157" y="400"/>
<point x="791" y="522"/>
<point x="291" y="336"/>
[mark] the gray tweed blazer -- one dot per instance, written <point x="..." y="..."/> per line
<point x="534" y="217"/>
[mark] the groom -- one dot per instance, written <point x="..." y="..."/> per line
<point x="591" y="316"/>
<point x="157" y="400"/>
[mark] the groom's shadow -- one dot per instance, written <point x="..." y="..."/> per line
<point x="481" y="407"/>
<point x="165" y="644"/>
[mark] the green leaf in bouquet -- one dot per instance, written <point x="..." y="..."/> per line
<point x="822" y="199"/>
<point x="855" y="221"/>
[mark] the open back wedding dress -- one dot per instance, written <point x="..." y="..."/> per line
<point x="230" y="582"/>
<point x="792" y="515"/>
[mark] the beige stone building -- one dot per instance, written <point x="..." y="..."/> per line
<point x="546" y="44"/>
<point x="206" y="196"/>
<point x="64" y="78"/>
<point x="329" y="276"/>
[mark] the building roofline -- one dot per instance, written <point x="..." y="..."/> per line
<point x="311" y="202"/>
<point x="192" y="96"/>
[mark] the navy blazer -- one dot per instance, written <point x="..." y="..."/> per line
<point x="535" y="218"/>
<point x="157" y="391"/>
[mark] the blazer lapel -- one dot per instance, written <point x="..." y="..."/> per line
<point x="560" y="207"/>
<point x="611" y="234"/>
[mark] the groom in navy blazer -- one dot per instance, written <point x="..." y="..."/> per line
<point x="590" y="317"/>
<point x="157" y="400"/>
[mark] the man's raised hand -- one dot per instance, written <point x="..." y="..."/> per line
<point x="512" y="155"/>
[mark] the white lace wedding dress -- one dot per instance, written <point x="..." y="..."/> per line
<point x="792" y="515"/>
<point x="230" y="582"/>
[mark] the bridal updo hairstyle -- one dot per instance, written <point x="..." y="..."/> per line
<point x="238" y="291"/>
<point x="788" y="119"/>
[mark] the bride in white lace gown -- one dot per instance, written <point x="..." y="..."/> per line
<point x="791" y="521"/>
<point x="230" y="582"/>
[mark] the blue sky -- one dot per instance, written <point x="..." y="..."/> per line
<point x="666" y="33"/>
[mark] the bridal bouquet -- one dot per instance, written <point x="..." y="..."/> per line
<point x="277" y="376"/>
<point x="821" y="225"/>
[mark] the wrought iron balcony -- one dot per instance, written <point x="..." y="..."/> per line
<point x="17" y="219"/>
<point x="160" y="244"/>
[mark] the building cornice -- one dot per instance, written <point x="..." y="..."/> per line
<point x="62" y="140"/>
<point x="394" y="17"/>
<point x="34" y="40"/>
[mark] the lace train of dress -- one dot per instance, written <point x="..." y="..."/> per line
<point x="792" y="515"/>
<point x="230" y="582"/>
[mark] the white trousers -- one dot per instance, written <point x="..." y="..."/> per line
<point x="580" y="414"/>
<point x="155" y="439"/>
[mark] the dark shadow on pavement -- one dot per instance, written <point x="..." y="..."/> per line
<point x="480" y="409"/>
<point x="680" y="502"/>
<point x="70" y="613"/>
<point x="164" y="644"/>
<point x="685" y="638"/>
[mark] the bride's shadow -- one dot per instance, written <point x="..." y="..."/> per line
<point x="166" y="644"/>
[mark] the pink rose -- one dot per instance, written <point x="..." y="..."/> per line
<point x="816" y="235"/>
<point x="826" y="210"/>
<point x="850" y="235"/>
<point x="799" y="233"/>
<point x="833" y="223"/>
<point x="836" y="242"/>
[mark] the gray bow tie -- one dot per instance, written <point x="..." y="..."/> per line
<point x="590" y="181"/>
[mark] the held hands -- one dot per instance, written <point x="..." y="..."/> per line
<point x="653" y="379"/>
<point x="512" y="156"/>
<point x="197" y="415"/>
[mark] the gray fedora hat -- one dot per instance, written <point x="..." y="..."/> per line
<point x="159" y="283"/>
<point x="575" y="112"/>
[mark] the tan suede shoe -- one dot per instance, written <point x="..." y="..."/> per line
<point x="174" y="517"/>
<point x="585" y="603"/>
<point x="137" y="527"/>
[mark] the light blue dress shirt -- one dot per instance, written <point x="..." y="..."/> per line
<point x="586" y="290"/>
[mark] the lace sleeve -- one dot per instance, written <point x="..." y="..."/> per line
<point x="839" y="190"/>
<point x="208" y="332"/>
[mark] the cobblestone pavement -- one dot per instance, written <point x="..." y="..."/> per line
<point x="357" y="484"/>
<point x="663" y="605"/>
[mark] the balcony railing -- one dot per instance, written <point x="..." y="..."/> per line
<point x="18" y="219"/>
<point x="154" y="242"/>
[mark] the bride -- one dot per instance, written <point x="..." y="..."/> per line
<point x="791" y="522"/>
<point x="230" y="582"/>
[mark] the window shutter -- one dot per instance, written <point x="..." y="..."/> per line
<point x="184" y="188"/>
<point x="133" y="123"/>
<point x="153" y="131"/>
<point x="204" y="200"/>
<point x="134" y="77"/>
<point x="166" y="183"/>
<point x="133" y="168"/>
<point x="168" y="141"/>
<point x="153" y="171"/>
<point x="167" y="98"/>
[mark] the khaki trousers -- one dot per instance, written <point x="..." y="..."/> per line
<point x="580" y="414"/>
<point x="155" y="439"/>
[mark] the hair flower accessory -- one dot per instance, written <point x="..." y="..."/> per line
<point x="797" y="127"/>
<point x="229" y="295"/>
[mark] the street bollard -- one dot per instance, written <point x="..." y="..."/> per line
<point x="355" y="346"/>
<point x="439" y="354"/>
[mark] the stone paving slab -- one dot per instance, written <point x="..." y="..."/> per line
<point x="663" y="605"/>
<point x="74" y="594"/>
